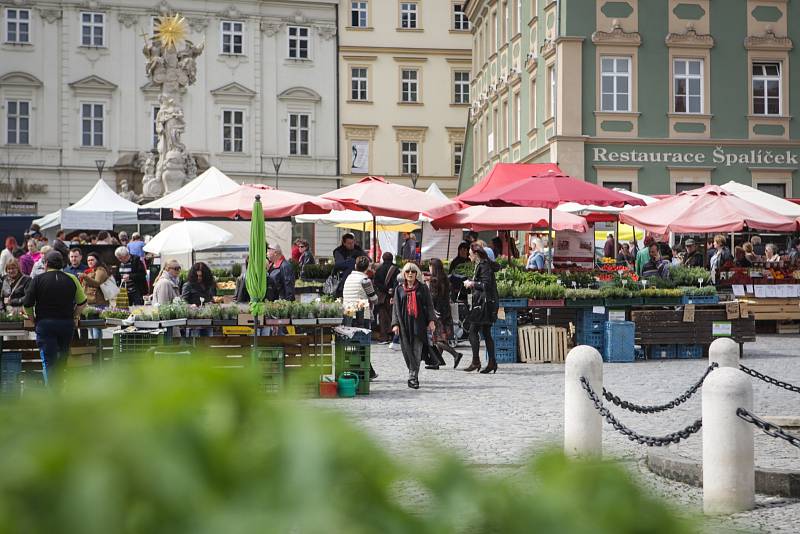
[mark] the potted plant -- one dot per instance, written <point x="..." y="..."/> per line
<point x="11" y="320"/>
<point x="146" y="317"/>
<point x="546" y="296"/>
<point x="662" y="297"/>
<point x="329" y="313"/>
<point x="277" y="313"/>
<point x="620" y="296"/>
<point x="303" y="315"/>
<point x="172" y="314"/>
<point x="201" y="316"/>
<point x="583" y="298"/>
<point x="90" y="318"/>
<point x="700" y="295"/>
<point x="114" y="316"/>
<point x="224" y="314"/>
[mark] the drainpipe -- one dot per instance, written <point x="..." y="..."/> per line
<point x="557" y="66"/>
<point x="336" y="103"/>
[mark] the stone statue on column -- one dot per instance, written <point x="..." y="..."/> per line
<point x="173" y="70"/>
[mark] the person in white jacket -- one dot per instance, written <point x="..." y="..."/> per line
<point x="8" y="252"/>
<point x="358" y="287"/>
<point x="167" y="286"/>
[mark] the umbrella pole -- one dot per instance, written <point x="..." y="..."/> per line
<point x="550" y="240"/>
<point x="374" y="238"/>
<point x="449" y="235"/>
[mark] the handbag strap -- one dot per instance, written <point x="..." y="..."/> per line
<point x="389" y="275"/>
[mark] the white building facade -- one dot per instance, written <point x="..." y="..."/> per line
<point x="73" y="91"/>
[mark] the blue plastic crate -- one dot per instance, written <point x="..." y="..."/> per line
<point x="503" y="331"/>
<point x="586" y="315"/>
<point x="10" y="369"/>
<point x="619" y="342"/>
<point x="592" y="339"/>
<point x="661" y="352"/>
<point x="689" y="352"/>
<point x="506" y="355"/>
<point x="509" y="321"/>
<point x="505" y="342"/>
<point x="711" y="299"/>
<point x="513" y="303"/>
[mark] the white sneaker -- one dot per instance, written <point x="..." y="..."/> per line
<point x="393" y="346"/>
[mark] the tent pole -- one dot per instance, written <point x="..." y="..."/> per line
<point x="550" y="240"/>
<point x="374" y="238"/>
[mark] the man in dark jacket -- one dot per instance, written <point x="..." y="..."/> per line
<point x="55" y="299"/>
<point x="132" y="275"/>
<point x="61" y="246"/>
<point x="693" y="257"/>
<point x="385" y="282"/>
<point x="344" y="259"/>
<point x="609" y="250"/>
<point x="280" y="281"/>
<point x="409" y="249"/>
<point x="76" y="265"/>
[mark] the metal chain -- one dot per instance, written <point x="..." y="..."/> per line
<point x="625" y="405"/>
<point x="768" y="428"/>
<point x="769" y="379"/>
<point x="650" y="441"/>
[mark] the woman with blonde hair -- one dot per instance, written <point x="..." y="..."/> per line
<point x="413" y="317"/>
<point x="167" y="285"/>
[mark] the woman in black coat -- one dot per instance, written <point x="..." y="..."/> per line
<point x="413" y="317"/>
<point x="200" y="286"/>
<point x="485" y="303"/>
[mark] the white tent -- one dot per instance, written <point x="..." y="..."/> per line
<point x="211" y="183"/>
<point x="437" y="243"/>
<point x="100" y="209"/>
<point x="581" y="209"/>
<point x="771" y="202"/>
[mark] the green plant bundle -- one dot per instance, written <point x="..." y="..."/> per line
<point x="581" y="278"/>
<point x="518" y="276"/>
<point x="236" y="270"/>
<point x="181" y="448"/>
<point x="90" y="312"/>
<point x="316" y="271"/>
<point x="582" y="294"/>
<point x="11" y="317"/>
<point x="656" y="282"/>
<point x="505" y="289"/>
<point x="688" y="276"/>
<point x="613" y="292"/>
<point x="465" y="269"/>
<point x="661" y="293"/>
<point x="513" y="263"/>
<point x="221" y="273"/>
<point x="115" y="313"/>
<point x="538" y="291"/>
<point x="705" y="291"/>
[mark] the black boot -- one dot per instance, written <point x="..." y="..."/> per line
<point x="475" y="365"/>
<point x="491" y="367"/>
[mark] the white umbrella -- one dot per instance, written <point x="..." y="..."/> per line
<point x="186" y="237"/>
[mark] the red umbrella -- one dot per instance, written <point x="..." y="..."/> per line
<point x="708" y="209"/>
<point x="505" y="174"/>
<point x="379" y="197"/>
<point x="550" y="191"/>
<point x="238" y="204"/>
<point x="480" y="218"/>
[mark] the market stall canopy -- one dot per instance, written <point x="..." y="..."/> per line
<point x="550" y="190"/>
<point x="771" y="202"/>
<point x="186" y="237"/>
<point x="99" y="209"/>
<point x="481" y="218"/>
<point x="238" y="204"/>
<point x="211" y="183"/>
<point x="594" y="213"/>
<point x="505" y="174"/>
<point x="379" y="197"/>
<point x="708" y="209"/>
<point x="349" y="217"/>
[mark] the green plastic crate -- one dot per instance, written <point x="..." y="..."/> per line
<point x="351" y="356"/>
<point x="270" y="360"/>
<point x="130" y="345"/>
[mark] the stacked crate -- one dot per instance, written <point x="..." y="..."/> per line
<point x="269" y="362"/>
<point x="134" y="345"/>
<point x="590" y="329"/>
<point x="353" y="354"/>
<point x="619" y="341"/>
<point x="10" y="369"/>
<point x="504" y="334"/>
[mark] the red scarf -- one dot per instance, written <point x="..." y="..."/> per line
<point x="411" y="300"/>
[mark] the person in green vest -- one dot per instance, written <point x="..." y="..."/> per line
<point x="643" y="256"/>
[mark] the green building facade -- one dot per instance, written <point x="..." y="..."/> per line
<point x="658" y="96"/>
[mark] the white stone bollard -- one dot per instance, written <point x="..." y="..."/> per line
<point x="583" y="426"/>
<point x="725" y="352"/>
<point x="728" y="464"/>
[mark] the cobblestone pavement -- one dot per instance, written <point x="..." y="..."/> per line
<point x="496" y="421"/>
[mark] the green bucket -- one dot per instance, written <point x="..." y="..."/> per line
<point x="348" y="383"/>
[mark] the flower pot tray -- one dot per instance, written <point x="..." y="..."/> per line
<point x="172" y="322"/>
<point x="583" y="303"/>
<point x="113" y="321"/>
<point x="329" y="321"/>
<point x="276" y="322"/>
<point x="147" y="324"/>
<point x="701" y="299"/>
<point x="92" y="323"/>
<point x="544" y="303"/>
<point x="15" y="325"/>
<point x="224" y="322"/>
<point x="663" y="301"/>
<point x="304" y="322"/>
<point x="198" y="322"/>
<point x="513" y="303"/>
<point x="635" y="301"/>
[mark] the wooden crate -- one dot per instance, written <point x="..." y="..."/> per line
<point x="774" y="309"/>
<point x="787" y="328"/>
<point x="542" y="344"/>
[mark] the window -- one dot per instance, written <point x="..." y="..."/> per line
<point x="408" y="15"/>
<point x="298" y="42"/>
<point x="504" y="28"/>
<point x="688" y="74"/>
<point x="358" y="14"/>
<point x="19" y="118"/>
<point x="298" y="134"/>
<point x="779" y="190"/>
<point x="615" y="84"/>
<point x="680" y="187"/>
<point x="93" y="29"/>
<point x="409" y="88"/>
<point x="504" y="119"/>
<point x="409" y="157"/>
<point x="517" y="117"/>
<point x="458" y="154"/>
<point x="92" y="124"/>
<point x="156" y="109"/>
<point x="18" y="26"/>
<point x="766" y="88"/>
<point x="358" y="81"/>
<point x="461" y="87"/>
<point x="533" y="99"/>
<point x="232" y="37"/>
<point x="232" y="130"/>
<point x="495" y="32"/>
<point x="553" y="88"/>
<point x="460" y="20"/>
<point x="518" y="21"/>
<point x="628" y="186"/>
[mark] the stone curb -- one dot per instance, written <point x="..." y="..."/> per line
<point x="779" y="482"/>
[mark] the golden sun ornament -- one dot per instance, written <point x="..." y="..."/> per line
<point x="171" y="30"/>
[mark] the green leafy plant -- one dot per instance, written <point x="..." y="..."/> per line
<point x="90" y="312"/>
<point x="547" y="292"/>
<point x="465" y="269"/>
<point x="582" y="294"/>
<point x="580" y="278"/>
<point x="316" y="271"/>
<point x="688" y="276"/>
<point x="612" y="292"/>
<point x="705" y="291"/>
<point x="661" y="293"/>
<point x="115" y="313"/>
<point x="11" y="317"/>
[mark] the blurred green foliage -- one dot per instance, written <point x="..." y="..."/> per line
<point x="191" y="449"/>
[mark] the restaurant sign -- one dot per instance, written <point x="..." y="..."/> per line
<point x="760" y="157"/>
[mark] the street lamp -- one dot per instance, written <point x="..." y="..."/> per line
<point x="277" y="161"/>
<point x="414" y="178"/>
<point x="100" y="164"/>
